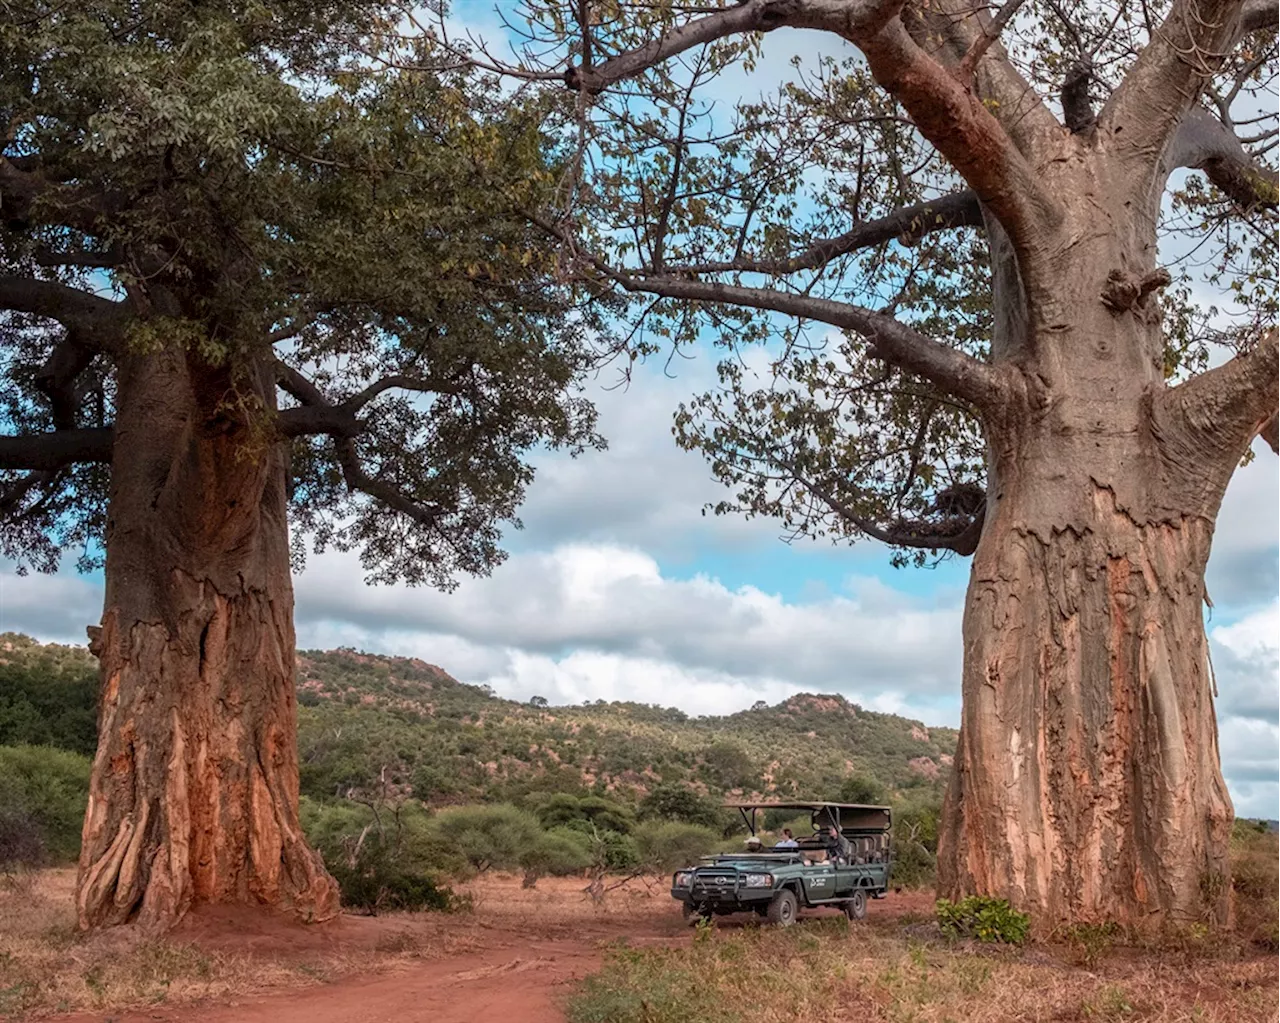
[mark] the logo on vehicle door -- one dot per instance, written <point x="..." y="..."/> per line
<point x="818" y="882"/>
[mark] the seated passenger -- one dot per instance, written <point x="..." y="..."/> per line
<point x="838" y="848"/>
<point x="787" y="841"/>
<point x="753" y="844"/>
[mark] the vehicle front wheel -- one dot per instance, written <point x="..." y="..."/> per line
<point x="783" y="909"/>
<point x="856" y="907"/>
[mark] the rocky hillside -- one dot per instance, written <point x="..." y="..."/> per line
<point x="448" y="741"/>
<point x="371" y="721"/>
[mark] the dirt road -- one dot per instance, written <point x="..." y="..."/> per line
<point x="514" y="960"/>
<point x="514" y="984"/>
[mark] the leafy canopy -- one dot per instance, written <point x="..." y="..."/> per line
<point x="230" y="180"/>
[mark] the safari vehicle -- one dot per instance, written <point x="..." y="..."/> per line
<point x="776" y="883"/>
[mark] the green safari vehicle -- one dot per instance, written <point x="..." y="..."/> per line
<point x="777" y="882"/>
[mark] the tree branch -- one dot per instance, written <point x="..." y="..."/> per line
<point x="963" y="542"/>
<point x="751" y="16"/>
<point x="317" y="414"/>
<point x="1077" y="110"/>
<point x="357" y="479"/>
<point x="1216" y="415"/>
<point x="42" y="451"/>
<point x="1165" y="81"/>
<point x="950" y="30"/>
<point x="75" y="309"/>
<point x="908" y="225"/>
<point x="57" y="378"/>
<point x="988" y="34"/>
<point x="1204" y="143"/>
<point x="890" y="339"/>
<point x="1259" y="14"/>
<point x="946" y="112"/>
<point x="962" y="128"/>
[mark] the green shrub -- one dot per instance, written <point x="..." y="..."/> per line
<point x="665" y="846"/>
<point x="488" y="837"/>
<point x="986" y="919"/>
<point x="43" y="792"/>
<point x="382" y="861"/>
<point x="562" y="808"/>
<point x="376" y="880"/>
<point x="861" y="788"/>
<point x="558" y="852"/>
<point x="915" y="840"/>
<point x="679" y="803"/>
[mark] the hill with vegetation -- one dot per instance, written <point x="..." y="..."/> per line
<point x="366" y="720"/>
<point x="446" y="741"/>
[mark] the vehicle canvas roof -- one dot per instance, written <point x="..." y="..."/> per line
<point x="803" y="805"/>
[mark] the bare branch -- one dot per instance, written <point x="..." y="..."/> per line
<point x="307" y="420"/>
<point x="989" y="33"/>
<point x="962" y="128"/>
<point x="1165" y="81"/>
<point x="751" y="16"/>
<point x="1205" y="143"/>
<point x="907" y="225"/>
<point x="947" y="113"/>
<point x="57" y="378"/>
<point x="317" y="414"/>
<point x="401" y="381"/>
<point x="949" y="30"/>
<point x="1214" y="417"/>
<point x="91" y="314"/>
<point x="43" y="451"/>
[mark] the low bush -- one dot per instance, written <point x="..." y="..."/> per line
<point x="983" y="918"/>
<point x="376" y="881"/>
<point x="487" y="837"/>
<point x="665" y="846"/>
<point x="43" y="792"/>
<point x="558" y="852"/>
<point x="1255" y="884"/>
<point x="384" y="857"/>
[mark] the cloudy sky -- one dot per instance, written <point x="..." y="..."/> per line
<point x="619" y="588"/>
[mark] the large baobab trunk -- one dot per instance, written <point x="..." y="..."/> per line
<point x="194" y="793"/>
<point x="1087" y="784"/>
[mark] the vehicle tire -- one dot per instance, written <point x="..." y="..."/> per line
<point x="856" y="907"/>
<point x="783" y="909"/>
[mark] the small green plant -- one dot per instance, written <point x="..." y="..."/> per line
<point x="983" y="918"/>
<point x="376" y="883"/>
<point x="1092" y="940"/>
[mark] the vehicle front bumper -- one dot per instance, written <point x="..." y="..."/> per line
<point x="726" y="900"/>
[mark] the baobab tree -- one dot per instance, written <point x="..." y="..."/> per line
<point x="949" y="222"/>
<point x="241" y="282"/>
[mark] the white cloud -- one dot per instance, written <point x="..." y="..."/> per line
<point x="584" y="621"/>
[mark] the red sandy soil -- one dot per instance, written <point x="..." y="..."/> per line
<point x="514" y="960"/>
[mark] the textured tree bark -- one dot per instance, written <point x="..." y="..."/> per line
<point x="1087" y="785"/>
<point x="194" y="791"/>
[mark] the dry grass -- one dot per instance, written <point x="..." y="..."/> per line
<point x="46" y="967"/>
<point x="828" y="971"/>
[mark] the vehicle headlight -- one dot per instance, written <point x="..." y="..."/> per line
<point x="759" y="880"/>
<point x="684" y="879"/>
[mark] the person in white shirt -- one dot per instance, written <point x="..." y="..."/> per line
<point x="787" y="841"/>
